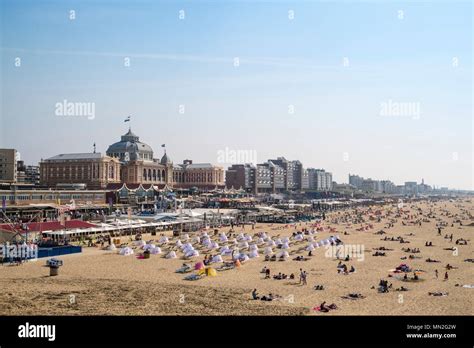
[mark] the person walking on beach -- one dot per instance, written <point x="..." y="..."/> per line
<point x="304" y="278"/>
<point x="436" y="272"/>
<point x="301" y="276"/>
<point x="446" y="276"/>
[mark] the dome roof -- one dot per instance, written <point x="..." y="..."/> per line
<point x="130" y="143"/>
<point x="165" y="159"/>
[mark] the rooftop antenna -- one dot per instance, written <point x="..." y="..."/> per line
<point x="94" y="147"/>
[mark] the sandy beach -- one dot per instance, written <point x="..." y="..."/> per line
<point x="100" y="282"/>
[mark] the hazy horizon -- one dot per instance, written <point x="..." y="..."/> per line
<point x="321" y="84"/>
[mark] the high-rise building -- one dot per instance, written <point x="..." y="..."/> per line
<point x="355" y="180"/>
<point x="8" y="166"/>
<point x="319" y="179"/>
<point x="294" y="172"/>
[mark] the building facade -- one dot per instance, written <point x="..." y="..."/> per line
<point x="138" y="166"/>
<point x="27" y="174"/>
<point x="92" y="169"/>
<point x="319" y="180"/>
<point x="8" y="166"/>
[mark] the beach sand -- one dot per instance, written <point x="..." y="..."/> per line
<point x="99" y="282"/>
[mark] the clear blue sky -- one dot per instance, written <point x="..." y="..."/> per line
<point x="283" y="62"/>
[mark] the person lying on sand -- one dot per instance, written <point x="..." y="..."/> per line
<point x="402" y="288"/>
<point x="353" y="296"/>
<point x="318" y="287"/>
<point x="431" y="260"/>
<point x="438" y="293"/>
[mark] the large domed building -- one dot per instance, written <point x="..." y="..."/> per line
<point x="139" y="167"/>
<point x="130" y="148"/>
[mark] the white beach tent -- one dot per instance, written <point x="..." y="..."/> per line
<point x="217" y="258"/>
<point x="268" y="251"/>
<point x="126" y="251"/>
<point x="156" y="250"/>
<point x="283" y="254"/>
<point x="253" y="253"/>
<point x="171" y="255"/>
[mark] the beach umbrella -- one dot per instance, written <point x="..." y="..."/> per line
<point x="198" y="266"/>
<point x="310" y="247"/>
<point x="164" y="239"/>
<point x="253" y="247"/>
<point x="285" y="246"/>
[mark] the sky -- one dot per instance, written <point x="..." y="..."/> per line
<point x="383" y="89"/>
